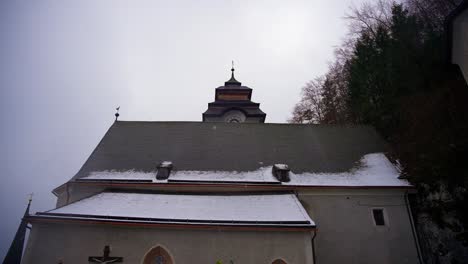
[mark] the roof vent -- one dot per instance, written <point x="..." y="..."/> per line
<point x="164" y="169"/>
<point x="281" y="172"/>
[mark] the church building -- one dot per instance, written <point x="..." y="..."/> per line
<point x="231" y="189"/>
<point x="457" y="33"/>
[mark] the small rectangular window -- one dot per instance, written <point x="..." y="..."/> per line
<point x="379" y="218"/>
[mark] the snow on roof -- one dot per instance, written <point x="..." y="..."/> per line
<point x="282" y="166"/>
<point x="166" y="163"/>
<point x="121" y="175"/>
<point x="262" y="175"/>
<point x="282" y="208"/>
<point x="373" y="170"/>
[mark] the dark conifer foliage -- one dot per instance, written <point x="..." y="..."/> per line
<point x="392" y="73"/>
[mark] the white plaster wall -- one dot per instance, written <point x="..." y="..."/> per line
<point x="73" y="244"/>
<point x="460" y="42"/>
<point x="347" y="233"/>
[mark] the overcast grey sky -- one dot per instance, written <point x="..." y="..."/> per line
<point x="66" y="65"/>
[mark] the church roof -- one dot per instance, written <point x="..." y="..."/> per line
<point x="249" y="108"/>
<point x="372" y="170"/>
<point x="226" y="209"/>
<point x="232" y="82"/>
<point x="231" y="85"/>
<point x="15" y="252"/>
<point x="197" y="148"/>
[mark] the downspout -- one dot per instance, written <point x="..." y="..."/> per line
<point x="313" y="236"/>
<point x="68" y="193"/>
<point x="313" y="246"/>
<point x="413" y="228"/>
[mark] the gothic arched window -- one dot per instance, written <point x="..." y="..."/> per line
<point x="158" y="255"/>
<point x="279" y="261"/>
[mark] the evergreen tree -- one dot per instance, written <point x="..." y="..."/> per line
<point x="392" y="75"/>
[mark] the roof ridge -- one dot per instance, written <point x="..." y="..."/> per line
<point x="244" y="124"/>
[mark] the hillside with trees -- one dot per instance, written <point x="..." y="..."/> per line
<point x="391" y="72"/>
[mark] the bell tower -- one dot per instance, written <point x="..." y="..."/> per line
<point x="233" y="104"/>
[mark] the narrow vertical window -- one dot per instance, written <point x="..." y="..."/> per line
<point x="379" y="218"/>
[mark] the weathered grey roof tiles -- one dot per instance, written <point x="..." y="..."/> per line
<point x="141" y="146"/>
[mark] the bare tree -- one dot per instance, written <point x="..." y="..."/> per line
<point x="310" y="110"/>
<point x="369" y="16"/>
<point x="432" y="12"/>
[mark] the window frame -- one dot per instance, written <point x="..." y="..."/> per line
<point x="384" y="215"/>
